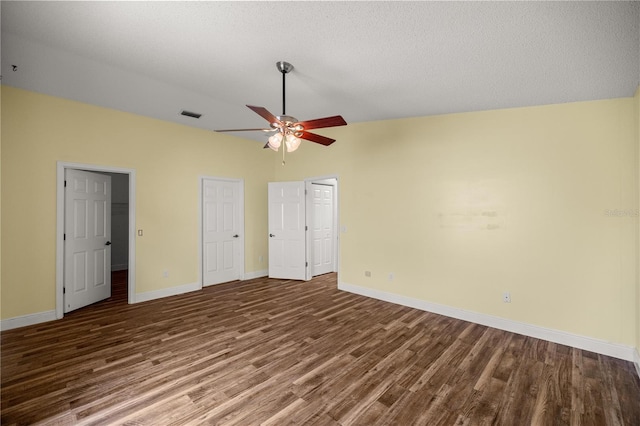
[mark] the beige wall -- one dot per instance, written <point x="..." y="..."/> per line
<point x="637" y="114"/>
<point x="461" y="208"/>
<point x="39" y="130"/>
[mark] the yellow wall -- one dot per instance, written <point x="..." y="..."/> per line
<point x="1" y="202"/>
<point x="459" y="207"/>
<point x="39" y="130"/>
<point x="463" y="207"/>
<point x="637" y="115"/>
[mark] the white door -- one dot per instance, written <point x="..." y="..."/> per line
<point x="322" y="229"/>
<point x="287" y="248"/>
<point x="221" y="226"/>
<point x="87" y="235"/>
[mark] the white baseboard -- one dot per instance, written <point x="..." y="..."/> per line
<point x="256" y="274"/>
<point x="25" y="320"/>
<point x="31" y="319"/>
<point x="120" y="267"/>
<point x="636" y="361"/>
<point x="581" y="342"/>
<point x="166" y="292"/>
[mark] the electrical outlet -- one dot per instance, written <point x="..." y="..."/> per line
<point x="260" y="259"/>
<point x="506" y="297"/>
<point x="391" y="276"/>
<point x="165" y="274"/>
<point x="367" y="274"/>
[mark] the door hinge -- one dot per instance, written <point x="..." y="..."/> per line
<point x="306" y="228"/>
<point x="64" y="290"/>
<point x="65" y="183"/>
<point x="305" y="192"/>
<point x="306" y="264"/>
<point x="64" y="237"/>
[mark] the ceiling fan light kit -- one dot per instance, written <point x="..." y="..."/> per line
<point x="288" y="128"/>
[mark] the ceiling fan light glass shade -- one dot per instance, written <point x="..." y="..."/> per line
<point x="292" y="143"/>
<point x="275" y="141"/>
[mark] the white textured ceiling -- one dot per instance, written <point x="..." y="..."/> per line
<point x="364" y="60"/>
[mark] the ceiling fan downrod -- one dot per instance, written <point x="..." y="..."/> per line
<point x="284" y="68"/>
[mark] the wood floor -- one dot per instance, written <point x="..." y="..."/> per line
<point x="281" y="352"/>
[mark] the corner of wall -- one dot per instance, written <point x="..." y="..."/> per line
<point x="0" y="199"/>
<point x="637" y="137"/>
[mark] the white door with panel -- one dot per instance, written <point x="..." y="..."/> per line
<point x="287" y="242"/>
<point x="322" y="229"/>
<point x="87" y="238"/>
<point x="221" y="226"/>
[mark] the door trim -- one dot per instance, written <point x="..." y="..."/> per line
<point x="60" y="168"/>
<point x="241" y="263"/>
<point x="336" y="210"/>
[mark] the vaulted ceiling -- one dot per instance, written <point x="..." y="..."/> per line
<point x="364" y="60"/>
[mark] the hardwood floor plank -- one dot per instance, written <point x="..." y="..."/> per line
<point x="281" y="352"/>
<point x="493" y="363"/>
<point x="283" y="416"/>
<point x="594" y="404"/>
<point x="378" y="380"/>
<point x="612" y="411"/>
<point x="522" y="390"/>
<point x="408" y="408"/>
<point x="544" y="411"/>
<point x="440" y="370"/>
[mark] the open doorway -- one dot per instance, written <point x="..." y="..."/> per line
<point x="121" y="214"/>
<point x="119" y="221"/>
<point x="119" y="235"/>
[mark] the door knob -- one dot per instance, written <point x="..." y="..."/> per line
<point x="236" y="236"/>
<point x="108" y="243"/>
<point x="271" y="235"/>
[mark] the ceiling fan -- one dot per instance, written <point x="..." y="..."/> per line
<point x="288" y="128"/>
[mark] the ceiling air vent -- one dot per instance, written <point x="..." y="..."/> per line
<point x="190" y="114"/>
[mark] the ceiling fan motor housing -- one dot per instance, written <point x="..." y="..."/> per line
<point x="288" y="125"/>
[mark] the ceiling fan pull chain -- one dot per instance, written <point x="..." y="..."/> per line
<point x="283" y="150"/>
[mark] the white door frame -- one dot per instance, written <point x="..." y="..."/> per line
<point x="60" y="168"/>
<point x="200" y="226"/>
<point x="308" y="220"/>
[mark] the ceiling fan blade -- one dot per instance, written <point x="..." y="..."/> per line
<point x="243" y="130"/>
<point x="264" y="113"/>
<point x="318" y="123"/>
<point x="322" y="140"/>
